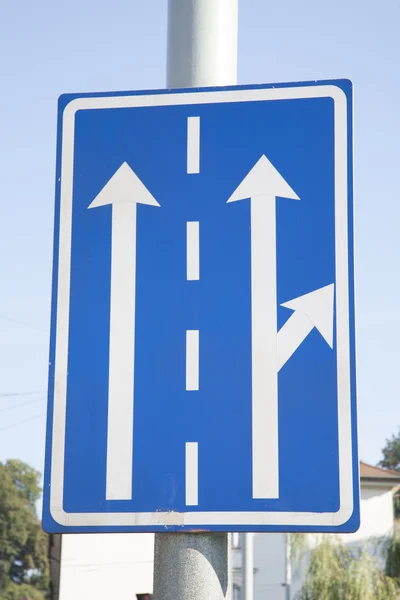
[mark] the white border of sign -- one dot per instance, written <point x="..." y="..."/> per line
<point x="197" y="519"/>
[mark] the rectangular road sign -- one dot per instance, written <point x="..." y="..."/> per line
<point x="202" y="370"/>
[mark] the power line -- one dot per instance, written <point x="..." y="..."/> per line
<point x="22" y="404"/>
<point x="21" y="422"/>
<point x="23" y="323"/>
<point x="9" y="394"/>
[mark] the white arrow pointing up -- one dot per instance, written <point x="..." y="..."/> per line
<point x="123" y="191"/>
<point x="263" y="184"/>
<point x="314" y="309"/>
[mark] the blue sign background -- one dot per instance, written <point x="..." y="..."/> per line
<point x="297" y="136"/>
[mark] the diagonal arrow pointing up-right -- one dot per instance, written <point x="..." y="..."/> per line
<point x="314" y="309"/>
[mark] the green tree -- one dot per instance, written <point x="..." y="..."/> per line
<point x="391" y="453"/>
<point x="333" y="572"/>
<point x="22" y="592"/>
<point x="23" y="544"/>
<point x="392" y="552"/>
<point x="391" y="460"/>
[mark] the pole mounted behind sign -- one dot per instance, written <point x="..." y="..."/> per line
<point x="202" y="51"/>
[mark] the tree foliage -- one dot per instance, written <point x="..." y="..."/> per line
<point x="391" y="460"/>
<point x="392" y="553"/>
<point x="334" y="572"/>
<point x="23" y="544"/>
<point x="391" y="453"/>
<point x="23" y="591"/>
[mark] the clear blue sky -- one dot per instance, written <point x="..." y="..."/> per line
<point x="49" y="47"/>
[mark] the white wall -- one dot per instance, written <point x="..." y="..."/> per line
<point x="106" y="566"/>
<point x="376" y="513"/>
<point x="270" y="566"/>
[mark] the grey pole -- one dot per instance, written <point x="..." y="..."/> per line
<point x="248" y="567"/>
<point x="202" y="51"/>
<point x="288" y="567"/>
<point x="202" y="43"/>
<point x="192" y="566"/>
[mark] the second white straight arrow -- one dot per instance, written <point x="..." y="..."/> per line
<point x="262" y="185"/>
<point x="123" y="191"/>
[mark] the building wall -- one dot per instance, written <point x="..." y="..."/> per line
<point x="376" y="513"/>
<point x="106" y="566"/>
<point x="270" y="566"/>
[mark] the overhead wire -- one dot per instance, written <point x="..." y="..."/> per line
<point x="22" y="422"/>
<point x="21" y="404"/>
<point x="10" y="394"/>
<point x="23" y="323"/>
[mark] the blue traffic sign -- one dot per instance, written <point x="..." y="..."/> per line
<point x="202" y="369"/>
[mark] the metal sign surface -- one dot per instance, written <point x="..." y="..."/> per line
<point x="202" y="356"/>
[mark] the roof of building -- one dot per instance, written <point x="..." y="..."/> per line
<point x="369" y="472"/>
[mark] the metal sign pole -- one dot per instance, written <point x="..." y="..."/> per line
<point x="247" y="567"/>
<point x="202" y="43"/>
<point x="202" y="51"/>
